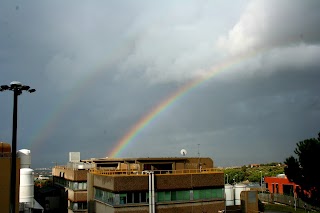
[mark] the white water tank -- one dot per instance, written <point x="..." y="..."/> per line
<point x="229" y="190"/>
<point x="26" y="193"/>
<point x="238" y="188"/>
<point x="25" y="158"/>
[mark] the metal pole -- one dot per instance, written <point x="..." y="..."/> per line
<point x="261" y="180"/>
<point x="152" y="190"/>
<point x="150" y="196"/>
<point x="14" y="152"/>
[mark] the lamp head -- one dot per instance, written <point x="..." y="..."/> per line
<point x="15" y="84"/>
<point x="4" y="87"/>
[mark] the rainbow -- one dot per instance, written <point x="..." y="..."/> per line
<point x="171" y="99"/>
<point x="46" y="126"/>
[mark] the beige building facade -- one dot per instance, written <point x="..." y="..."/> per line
<point x="161" y="185"/>
<point x="124" y="185"/>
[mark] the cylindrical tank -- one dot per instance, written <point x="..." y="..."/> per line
<point x="238" y="188"/>
<point x="25" y="158"/>
<point x="26" y="193"/>
<point x="229" y="190"/>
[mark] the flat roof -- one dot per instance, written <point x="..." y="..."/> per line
<point x="142" y="159"/>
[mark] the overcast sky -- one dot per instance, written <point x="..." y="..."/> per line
<point x="100" y="66"/>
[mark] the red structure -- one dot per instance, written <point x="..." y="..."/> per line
<point x="280" y="185"/>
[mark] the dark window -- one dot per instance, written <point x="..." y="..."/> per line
<point x="136" y="197"/>
<point x="143" y="197"/>
<point x="129" y="198"/>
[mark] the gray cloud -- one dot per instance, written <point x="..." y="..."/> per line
<point x="272" y="24"/>
<point x="98" y="68"/>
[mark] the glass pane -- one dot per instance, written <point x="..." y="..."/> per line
<point x="208" y="193"/>
<point x="75" y="206"/>
<point x="196" y="194"/>
<point x="143" y="197"/>
<point x="202" y="194"/>
<point x="214" y="193"/>
<point x="80" y="185"/>
<point x="186" y="195"/>
<point x="220" y="193"/>
<point x="129" y="198"/>
<point x="174" y="195"/>
<point x="75" y="185"/>
<point x="123" y="198"/>
<point x="136" y="197"/>
<point x="160" y="196"/>
<point x="167" y="196"/>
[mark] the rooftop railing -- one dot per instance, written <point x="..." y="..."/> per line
<point x="112" y="172"/>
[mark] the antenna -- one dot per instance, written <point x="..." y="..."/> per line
<point x="183" y="152"/>
<point x="199" y="156"/>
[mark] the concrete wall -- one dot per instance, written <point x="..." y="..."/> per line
<point x="193" y="163"/>
<point x="128" y="183"/>
<point x="249" y="201"/>
<point x="77" y="196"/>
<point x="70" y="174"/>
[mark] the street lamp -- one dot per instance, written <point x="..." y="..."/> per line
<point x="234" y="179"/>
<point x="261" y="180"/>
<point x="17" y="89"/>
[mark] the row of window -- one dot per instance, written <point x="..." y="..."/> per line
<point x="160" y="196"/>
<point x="78" y="206"/>
<point x="71" y="184"/>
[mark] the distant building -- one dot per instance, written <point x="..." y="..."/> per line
<point x="280" y="185"/>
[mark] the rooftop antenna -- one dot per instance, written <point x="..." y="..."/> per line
<point x="199" y="156"/>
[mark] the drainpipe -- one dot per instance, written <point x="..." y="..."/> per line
<point x="150" y="192"/>
<point x="152" y="189"/>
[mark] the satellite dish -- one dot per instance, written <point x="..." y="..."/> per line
<point x="183" y="152"/>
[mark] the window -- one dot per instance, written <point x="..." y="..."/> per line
<point x="201" y="194"/>
<point x="143" y="197"/>
<point x="123" y="198"/>
<point x="78" y="206"/>
<point x="129" y="198"/>
<point x="136" y="197"/>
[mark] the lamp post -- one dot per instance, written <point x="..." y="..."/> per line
<point x="227" y="178"/>
<point x="261" y="181"/>
<point x="234" y="179"/>
<point x="17" y="89"/>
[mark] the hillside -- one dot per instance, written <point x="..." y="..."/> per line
<point x="252" y="173"/>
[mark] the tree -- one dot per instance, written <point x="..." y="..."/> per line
<point x="303" y="169"/>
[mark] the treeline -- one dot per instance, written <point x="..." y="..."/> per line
<point x="253" y="174"/>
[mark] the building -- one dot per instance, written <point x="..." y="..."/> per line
<point x="5" y="177"/>
<point x="280" y="185"/>
<point x="142" y="185"/>
<point x="156" y="185"/>
<point x="72" y="180"/>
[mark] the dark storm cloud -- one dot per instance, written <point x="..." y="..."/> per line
<point x="99" y="67"/>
